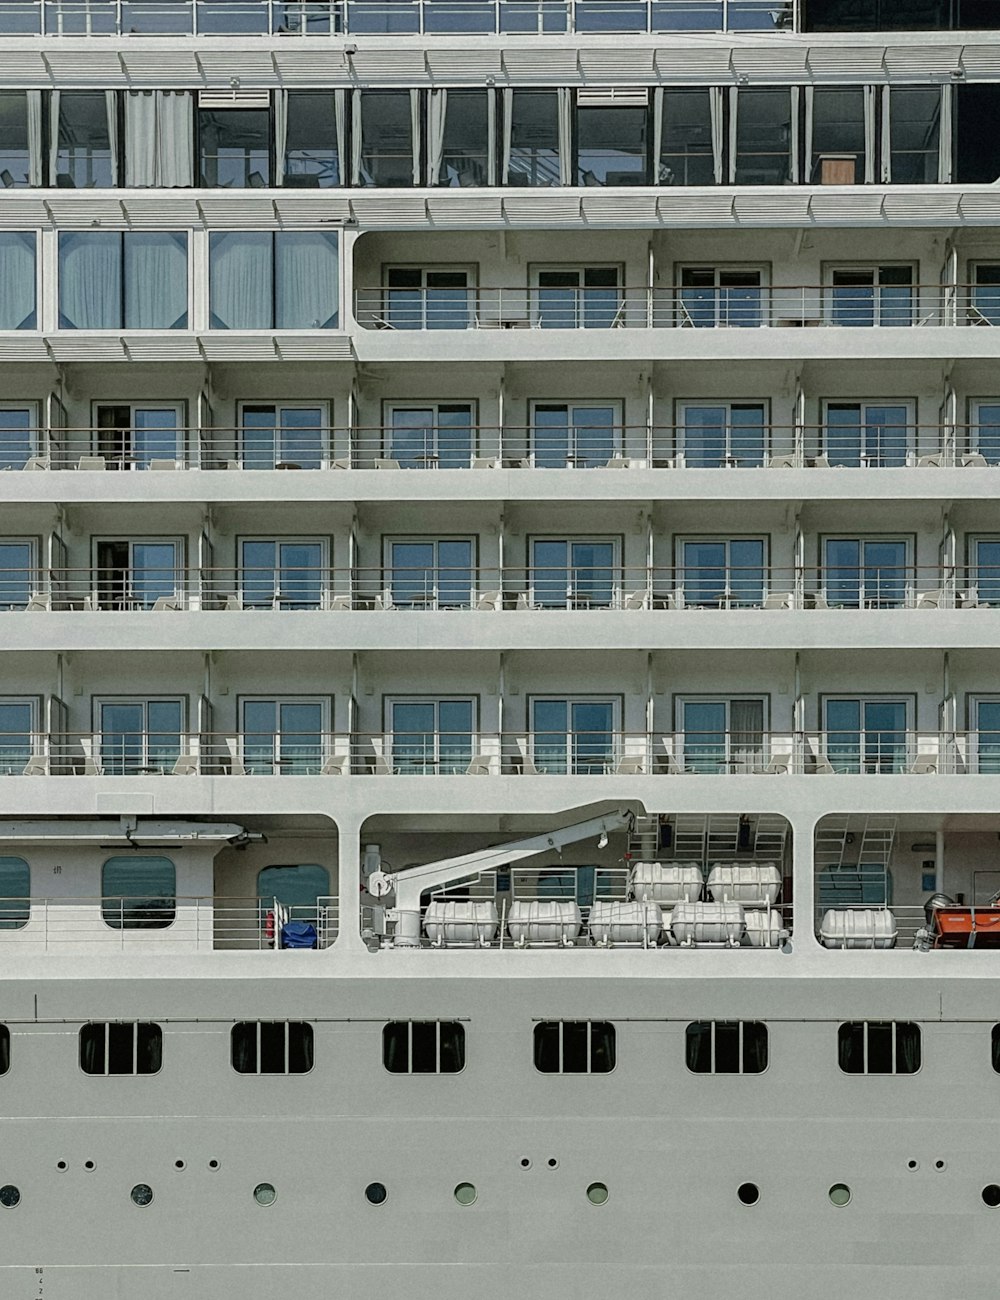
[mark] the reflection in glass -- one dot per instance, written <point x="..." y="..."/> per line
<point x="573" y="736"/>
<point x="431" y="574"/>
<point x="234" y="148"/>
<point x="865" y="573"/>
<point x="866" y="735"/>
<point x="860" y="434"/>
<point x="281" y="575"/>
<point x="282" y="736"/>
<point x="579" y="298"/>
<point x="441" y="436"/>
<point x="732" y="435"/>
<point x="724" y="574"/>
<point x="432" y="736"/>
<point x="581" y="437"/>
<point x="138" y="893"/>
<point x="17" y="431"/>
<point x="139" y="736"/>
<point x="612" y="145"/>
<point x="571" y="574"/>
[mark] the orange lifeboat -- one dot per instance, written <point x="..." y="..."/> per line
<point x="955" y="926"/>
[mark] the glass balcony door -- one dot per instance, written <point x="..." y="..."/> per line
<point x="431" y="573"/>
<point x="866" y="735"/>
<point x="131" y="437"/>
<point x="711" y="297"/>
<point x="17" y="728"/>
<point x="984" y="574"/>
<point x="282" y="574"/>
<point x="421" y="299"/>
<point x="18" y="436"/>
<point x="135" y="574"/>
<point x="574" y="736"/>
<point x="570" y="298"/>
<point x="871" y="435"/>
<point x="987" y="738"/>
<point x="283" y="736"/>
<point x="283" y="437"/>
<point x="723" y="573"/>
<point x="18" y="575"/>
<point x="864" y="297"/>
<point x="439" y="436"/>
<point x="566" y="435"/>
<point x="985" y="305"/>
<point x="139" y="735"/>
<point x="984" y="435"/>
<point x="863" y="573"/>
<point x="573" y="573"/>
<point x="432" y="736"/>
<point x="722" y="735"/>
<point x="729" y="434"/>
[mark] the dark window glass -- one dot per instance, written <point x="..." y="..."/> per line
<point x="995" y="1048"/>
<point x="915" y="130"/>
<point x="87" y="121"/>
<point x="838" y="142"/>
<point x="234" y="148"/>
<point x="15" y="155"/>
<point x="138" y="893"/>
<point x="687" y="155"/>
<point x="763" y="137"/>
<point x="879" y="1047"/>
<point x="533" y="138"/>
<point x="15" y="893"/>
<point x="312" y="158"/>
<point x="423" y="1047"/>
<point x="128" y="1048"/>
<point x="388" y="157"/>
<point x="463" y="156"/>
<point x="726" y="1047"/>
<point x="575" y="1047"/>
<point x="612" y="145"/>
<point x="271" y="1047"/>
<point x="4" y="1049"/>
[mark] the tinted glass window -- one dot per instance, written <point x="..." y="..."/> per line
<point x="15" y="893"/>
<point x="575" y="1047"/>
<point x="423" y="1047"/>
<point x="272" y="1047"/>
<point x="879" y="1047"/>
<point x="138" y="893"/>
<point x="726" y="1047"/>
<point x="128" y="1048"/>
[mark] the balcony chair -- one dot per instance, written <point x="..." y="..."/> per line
<point x="481" y="765"/>
<point x="822" y="765"/>
<point x="92" y="463"/>
<point x="818" y="462"/>
<point x="781" y="462"/>
<point x="92" y="765"/>
<point x="488" y="600"/>
<point x="778" y="600"/>
<point x="630" y="765"/>
<point x="340" y="602"/>
<point x="931" y="462"/>
<point x="335" y="765"/>
<point x="38" y="600"/>
<point x="186" y="765"/>
<point x="165" y="464"/>
<point x="634" y="600"/>
<point x="234" y="601"/>
<point x="924" y="765"/>
<point x="485" y="462"/>
<point x="167" y="602"/>
<point x="38" y="462"/>
<point x="37" y="765"/>
<point x="386" y="462"/>
<point x="528" y="767"/>
<point x="935" y="599"/>
<point x="342" y="462"/>
<point x="777" y="765"/>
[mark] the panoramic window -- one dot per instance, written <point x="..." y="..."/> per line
<point x="18" y="290"/>
<point x="84" y="139"/>
<point x="234" y="142"/>
<point x="138" y="893"/>
<point x="726" y="1047"/>
<point x="461" y="140"/>
<point x="20" y="138"/>
<point x="19" y="431"/>
<point x="262" y="280"/>
<point x="977" y="152"/>
<point x="914" y="135"/>
<point x="878" y="1047"/>
<point x="310" y="137"/>
<point x="691" y="137"/>
<point x="386" y="138"/>
<point x="423" y="1047"/>
<point x="272" y="1047"/>
<point x="575" y="1047"/>
<point x="131" y="1047"/>
<point x="123" y="280"/>
<point x="766" y="127"/>
<point x="15" y="897"/>
<point x="536" y="143"/>
<point x="612" y="137"/>
<point x="838" y="152"/>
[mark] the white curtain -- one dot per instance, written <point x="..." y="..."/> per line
<point x="508" y="128"/>
<point x="415" y="134"/>
<point x="35" y="160"/>
<point x="491" y="144"/>
<point x="746" y="725"/>
<point x="733" y="120"/>
<point x="90" y="268"/>
<point x="657" y="133"/>
<point x="240" y="280"/>
<point x="886" y="173"/>
<point x="140" y="138"/>
<point x="17" y="281"/>
<point x="306" y="280"/>
<point x="175" y="138"/>
<point x="111" y="106"/>
<point x="871" y="93"/>
<point x="340" y="119"/>
<point x="795" y="168"/>
<point x="280" y="134"/>
<point x="810" y="104"/>
<point x="565" y="110"/>
<point x="156" y="280"/>
<point x="716" y="94"/>
<point x="356" y="138"/>
<point x="54" y="97"/>
<point x="946" y="143"/>
<point x="437" y="115"/>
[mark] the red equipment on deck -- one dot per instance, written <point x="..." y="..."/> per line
<point x="955" y="926"/>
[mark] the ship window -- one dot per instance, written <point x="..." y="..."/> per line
<point x="726" y="1047"/>
<point x="691" y="148"/>
<point x="131" y="280"/>
<point x="283" y="434"/>
<point x="536" y="137"/>
<point x="4" y="1049"/>
<point x="866" y="434"/>
<point x="18" y="424"/>
<point x="575" y="1047"/>
<point x="20" y="138"/>
<point x="272" y="1047"/>
<point x="17" y="281"/>
<point x="763" y="137"/>
<point x="612" y="141"/>
<point x="977" y="152"/>
<point x="132" y="1047"/>
<point x="423" y="1047"/>
<point x="837" y="151"/>
<point x="15" y="894"/>
<point x="314" y="134"/>
<point x="234" y="147"/>
<point x="724" y="434"/>
<point x="138" y="893"/>
<point x="462" y="137"/>
<point x="995" y="1048"/>
<point x="914" y="133"/>
<point x="262" y="280"/>
<point x="879" y="1047"/>
<point x="389" y="125"/>
<point x="575" y="435"/>
<point x="84" y="132"/>
<point x="578" y="297"/>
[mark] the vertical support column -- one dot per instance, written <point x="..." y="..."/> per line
<point x="803" y="881"/>
<point x="939" y="862"/>
<point x="348" y="882"/>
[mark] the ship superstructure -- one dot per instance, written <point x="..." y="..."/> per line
<point x="500" y="602"/>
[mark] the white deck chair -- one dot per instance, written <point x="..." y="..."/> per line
<point x="634" y="600"/>
<point x="386" y="462"/>
<point x="340" y="602"/>
<point x="781" y="462"/>
<point x="186" y="765"/>
<point x="924" y="765"/>
<point x="382" y="767"/>
<point x="528" y="767"/>
<point x="630" y="765"/>
<point x="777" y="765"/>
<point x="485" y="462"/>
<point x="39" y="601"/>
<point x="974" y="459"/>
<point x="167" y="602"/>
<point x="481" y="765"/>
<point x="236" y="764"/>
<point x="92" y="463"/>
<point x="164" y="464"/>
<point x="234" y="601"/>
<point x="91" y="763"/>
<point x="489" y="600"/>
<point x="932" y="599"/>
<point x="37" y="765"/>
<point x="931" y="462"/>
<point x="38" y="462"/>
<point x="335" y="765"/>
<point x="666" y="757"/>
<point x="777" y="600"/>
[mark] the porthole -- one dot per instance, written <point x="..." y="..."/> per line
<point x="940" y="1164"/>
<point x="179" y="1164"/>
<point x="749" y="1193"/>
<point x="9" y="1196"/>
<point x="597" y="1193"/>
<point x="213" y="1164"/>
<point x="913" y="1164"/>
<point x="375" y="1194"/>
<point x="991" y="1195"/>
<point x="89" y="1164"/>
<point x="552" y="1162"/>
<point x="60" y="1164"/>
<point x="840" y="1194"/>
<point x="466" y="1194"/>
<point x="264" y="1194"/>
<point x="142" y="1194"/>
<point x="525" y="1163"/>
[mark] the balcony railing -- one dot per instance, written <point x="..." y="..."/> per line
<point x="389" y="17"/>
<point x="729" y="443"/>
<point x="607" y="753"/>
<point x="497" y="590"/>
<point x="774" y="307"/>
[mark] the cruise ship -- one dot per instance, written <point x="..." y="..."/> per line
<point x="500" y="606"/>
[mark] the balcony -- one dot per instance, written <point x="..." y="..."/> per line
<point x="389" y="17"/>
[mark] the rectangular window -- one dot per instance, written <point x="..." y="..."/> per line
<point x="430" y="572"/>
<point x="138" y="892"/>
<point x="764" y="128"/>
<point x="18" y="731"/>
<point x="983" y="436"/>
<point x="314" y="134"/>
<point x="914" y="134"/>
<point x="419" y="298"/>
<point x="871" y="434"/>
<point x="535" y="139"/>
<point x="286" y="280"/>
<point x="726" y="1047"/>
<point x="423" y="1047"/>
<point x="271" y="1047"/>
<point x="984" y="571"/>
<point x="135" y="573"/>
<point x="19" y="574"/>
<point x="84" y="135"/>
<point x="984" y="295"/>
<point x="15" y="912"/>
<point x="578" y="297"/>
<point x="132" y="1047"/>
<point x="431" y="736"/>
<point x="866" y="572"/>
<point x="19" y="431"/>
<point x="434" y="435"/>
<point x="574" y="572"/>
<point x="837" y="152"/>
<point x="712" y="296"/>
<point x="612" y="138"/>
<point x="283" y="436"/>
<point x="4" y="1049"/>
<point x="283" y="573"/>
<point x="134" y="280"/>
<point x="867" y="296"/>
<point x="20" y="138"/>
<point x="867" y="733"/>
<point x="283" y="736"/>
<point x="131" y="436"/>
<point x="691" y="145"/>
<point x="985" y="719"/>
<point x="879" y="1047"/>
<point x="462" y="137"/>
<point x="577" y="735"/>
<point x="723" y="435"/>
<point x="723" y="572"/>
<point x="575" y="1047"/>
<point x="387" y="143"/>
<point x="570" y="435"/>
<point x="722" y="734"/>
<point x="234" y="148"/>
<point x="18" y="280"/>
<point x="139" y="736"/>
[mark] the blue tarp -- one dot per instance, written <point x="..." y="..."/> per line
<point x="298" y="934"/>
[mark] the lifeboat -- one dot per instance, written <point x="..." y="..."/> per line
<point x="954" y="926"/>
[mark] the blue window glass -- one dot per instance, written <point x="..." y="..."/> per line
<point x="15" y="894"/>
<point x="18" y="291"/>
<point x="866" y="735"/>
<point x="138" y="892"/>
<point x="283" y="737"/>
<point x="131" y="280"/>
<point x="280" y="280"/>
<point x="432" y="736"/>
<point x="17" y="727"/>
<point x="140" y="735"/>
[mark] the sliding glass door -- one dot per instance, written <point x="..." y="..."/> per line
<point x="865" y="573"/>
<point x="431" y="736"/>
<point x="283" y="736"/>
<point x="722" y="735"/>
<point x="866" y="734"/>
<point x="573" y="573"/>
<point x="139" y="735"/>
<point x="575" y="736"/>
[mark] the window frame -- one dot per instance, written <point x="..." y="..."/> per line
<point x="33" y="569"/>
<point x="461" y="1041"/>
<point x="308" y="1047"/>
<point x="683" y="698"/>
<point x="728" y="460"/>
<point x="433" y="598"/>
<point x="864" y="405"/>
<point x="275" y="763"/>
<point x="540" y="1026"/>
<point x="37" y="284"/>
<point x="389" y="702"/>
<point x="610" y="105"/>
<point x="183" y="435"/>
<point x="11" y="919"/>
<point x="571" y="761"/>
<point x="237" y="106"/>
<point x="573" y="459"/>
<point x="574" y="598"/>
<point x="145" y="760"/>
<point x="387" y="432"/>
<point x="37" y="740"/>
<point x="107" y="1072"/>
<point x="974" y="564"/>
<point x="179" y="543"/>
<point x="339" y="317"/>
<point x="277" y="540"/>
<point x="579" y="310"/>
<point x="127" y="918"/>
<point x="742" y="1051"/>
<point x="724" y="316"/>
<point x="681" y="567"/>
<point x="909" y="566"/>
<point x="325" y="429"/>
<point x="908" y="699"/>
<point x="973" y="438"/>
<point x="426" y="313"/>
<point x="881" y="313"/>
<point x="896" y="1025"/>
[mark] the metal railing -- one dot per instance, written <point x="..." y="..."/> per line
<point x="388" y="17"/>
<point x="492" y="589"/>
<point x="766" y="307"/>
<point x="865" y="752"/>
<point x="735" y="441"/>
<point x="177" y="923"/>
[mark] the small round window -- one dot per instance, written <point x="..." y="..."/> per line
<point x="264" y="1194"/>
<point x="9" y="1196"/>
<point x="466" y="1194"/>
<point x="142" y="1194"/>
<point x="597" y="1193"/>
<point x="376" y="1194"/>
<point x="840" y="1194"/>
